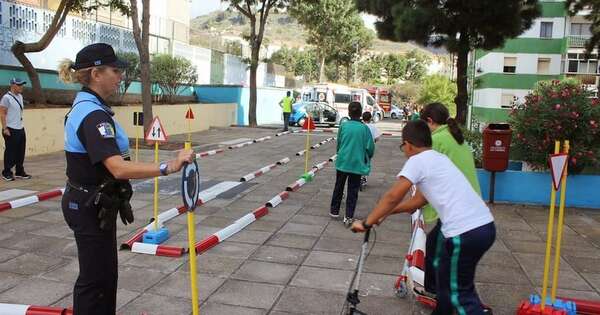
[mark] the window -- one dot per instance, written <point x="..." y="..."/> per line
<point x="543" y="66"/>
<point x="370" y="101"/>
<point x="546" y="30"/>
<point x="343" y="98"/>
<point x="581" y="29"/>
<point x="507" y="100"/>
<point x="510" y="64"/>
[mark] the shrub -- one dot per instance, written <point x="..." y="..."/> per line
<point x="131" y="73"/>
<point x="172" y="74"/>
<point x="557" y="110"/>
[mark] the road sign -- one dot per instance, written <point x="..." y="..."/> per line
<point x="138" y="118"/>
<point x="156" y="132"/>
<point x="190" y="185"/>
<point x="558" y="163"/>
<point x="189" y="114"/>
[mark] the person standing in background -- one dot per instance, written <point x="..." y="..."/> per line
<point x="13" y="131"/>
<point x="286" y="105"/>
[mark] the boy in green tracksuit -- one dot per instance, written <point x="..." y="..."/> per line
<point x="355" y="148"/>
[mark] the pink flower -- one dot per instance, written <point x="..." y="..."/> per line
<point x="557" y="106"/>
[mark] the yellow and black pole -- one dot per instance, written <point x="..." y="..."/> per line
<point x="561" y="217"/>
<point x="550" y="230"/>
<point x="191" y="246"/>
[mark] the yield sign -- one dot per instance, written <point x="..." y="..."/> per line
<point x="189" y="114"/>
<point x="156" y="132"/>
<point x="558" y="164"/>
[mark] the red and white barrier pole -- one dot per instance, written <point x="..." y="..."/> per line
<point x="321" y="165"/>
<point x="333" y="158"/>
<point x="31" y="199"/>
<point x="157" y="250"/>
<point x="18" y="309"/>
<point x="208" y="153"/>
<point x="300" y="153"/>
<point x="279" y="134"/>
<point x="230" y="230"/>
<point x="417" y="257"/>
<point x="258" y="173"/>
<point x="240" y="145"/>
<point x="275" y="201"/>
<point x="296" y="185"/>
<point x="283" y="161"/>
<point x="262" y="139"/>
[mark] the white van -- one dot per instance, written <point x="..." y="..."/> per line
<point x="339" y="96"/>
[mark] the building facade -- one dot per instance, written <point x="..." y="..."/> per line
<point x="551" y="49"/>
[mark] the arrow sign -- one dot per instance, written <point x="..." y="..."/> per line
<point x="558" y="164"/>
<point x="156" y="132"/>
<point x="189" y="114"/>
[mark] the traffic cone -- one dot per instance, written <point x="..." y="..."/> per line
<point x="309" y="124"/>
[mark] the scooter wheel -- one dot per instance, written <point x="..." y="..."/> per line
<point x="401" y="291"/>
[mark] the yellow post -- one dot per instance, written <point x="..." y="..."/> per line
<point x="189" y="141"/>
<point x="549" y="232"/>
<point x="307" y="154"/>
<point x="156" y="188"/>
<point x="561" y="217"/>
<point x="137" y="142"/>
<point x="191" y="243"/>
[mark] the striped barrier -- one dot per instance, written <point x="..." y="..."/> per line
<point x="208" y="153"/>
<point x="262" y="139"/>
<point x="18" y="309"/>
<point x="230" y="230"/>
<point x="321" y="143"/>
<point x="157" y="250"/>
<point x="240" y="145"/>
<point x="279" y="134"/>
<point x="258" y="173"/>
<point x="390" y="134"/>
<point x="296" y="185"/>
<point x="275" y="201"/>
<point x="31" y="199"/>
<point x="333" y="158"/>
<point x="283" y="161"/>
<point x="321" y="165"/>
<point x="204" y="197"/>
<point x="300" y="153"/>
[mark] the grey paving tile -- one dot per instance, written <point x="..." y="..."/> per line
<point x="383" y="265"/>
<point x="292" y="240"/>
<point x="374" y="284"/>
<point x="157" y="304"/>
<point x="6" y="254"/>
<point x="9" y="280"/>
<point x="298" y="300"/>
<point x="320" y="278"/>
<point x="219" y="309"/>
<point x="178" y="284"/>
<point x="567" y="278"/>
<point x="284" y="255"/>
<point x="36" y="292"/>
<point x="138" y="279"/>
<point x="234" y="249"/>
<point x="260" y="271"/>
<point x="338" y="245"/>
<point x="249" y="294"/>
<point x="250" y="237"/>
<point x="216" y="265"/>
<point x="31" y="264"/>
<point x="331" y="260"/>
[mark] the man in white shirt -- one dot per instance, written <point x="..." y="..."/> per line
<point x="13" y="132"/>
<point x="468" y="228"/>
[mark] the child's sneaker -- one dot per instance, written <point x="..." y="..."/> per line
<point x="334" y="214"/>
<point x="23" y="176"/>
<point x="348" y="221"/>
<point x="8" y="178"/>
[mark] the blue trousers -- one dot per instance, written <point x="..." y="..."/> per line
<point x="455" y="271"/>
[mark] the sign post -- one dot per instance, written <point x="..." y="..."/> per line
<point x="190" y="189"/>
<point x="138" y="120"/>
<point x="156" y="134"/>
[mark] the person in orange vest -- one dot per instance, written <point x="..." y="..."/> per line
<point x="286" y="105"/>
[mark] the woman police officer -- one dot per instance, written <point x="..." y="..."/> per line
<point x="98" y="170"/>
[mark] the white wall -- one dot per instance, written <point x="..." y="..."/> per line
<point x="526" y="63"/>
<point x="234" y="71"/>
<point x="492" y="98"/>
<point x="200" y="58"/>
<point x="558" y="29"/>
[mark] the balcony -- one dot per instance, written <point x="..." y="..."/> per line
<point x="577" y="41"/>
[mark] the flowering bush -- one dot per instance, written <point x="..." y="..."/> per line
<point x="557" y="110"/>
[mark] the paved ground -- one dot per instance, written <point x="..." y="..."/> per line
<point x="296" y="260"/>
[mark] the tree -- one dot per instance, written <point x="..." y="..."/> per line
<point x="172" y="74"/>
<point x="257" y="11"/>
<point x="416" y="65"/>
<point x="131" y="73"/>
<point x="371" y="69"/>
<point x="438" y="88"/>
<point x="395" y="67"/>
<point x="142" y="40"/>
<point x="19" y="49"/>
<point x="334" y="27"/>
<point x="593" y="7"/>
<point x="459" y="25"/>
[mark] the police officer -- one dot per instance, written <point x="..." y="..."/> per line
<point x="98" y="170"/>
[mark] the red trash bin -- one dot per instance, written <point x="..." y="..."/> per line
<point x="496" y="147"/>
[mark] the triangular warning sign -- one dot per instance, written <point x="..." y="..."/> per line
<point x="558" y="164"/>
<point x="156" y="132"/>
<point x="189" y="114"/>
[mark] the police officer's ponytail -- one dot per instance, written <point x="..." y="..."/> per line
<point x="67" y="74"/>
<point x="439" y="114"/>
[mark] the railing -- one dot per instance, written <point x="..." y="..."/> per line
<point x="578" y="41"/>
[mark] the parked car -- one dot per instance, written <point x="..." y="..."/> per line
<point x="321" y="113"/>
<point x="396" y="112"/>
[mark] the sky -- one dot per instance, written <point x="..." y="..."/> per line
<point x="202" y="7"/>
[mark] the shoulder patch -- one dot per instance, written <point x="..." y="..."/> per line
<point x="106" y="130"/>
